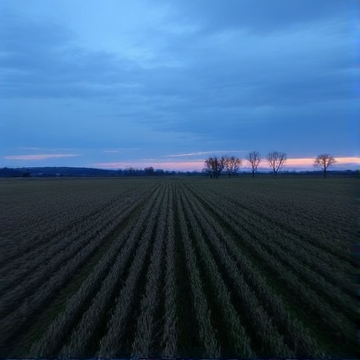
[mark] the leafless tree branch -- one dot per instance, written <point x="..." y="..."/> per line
<point x="232" y="165"/>
<point x="214" y="166"/>
<point x="324" y="161"/>
<point x="276" y="160"/>
<point x="254" y="159"/>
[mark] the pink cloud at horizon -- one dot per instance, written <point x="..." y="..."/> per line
<point x="185" y="164"/>
<point x="198" y="165"/>
<point x="38" y="156"/>
<point x="306" y="162"/>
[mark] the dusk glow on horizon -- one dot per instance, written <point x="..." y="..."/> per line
<point x="197" y="165"/>
<point x="115" y="84"/>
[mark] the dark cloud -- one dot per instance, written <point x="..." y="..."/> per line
<point x="221" y="74"/>
<point x="263" y="16"/>
<point x="42" y="60"/>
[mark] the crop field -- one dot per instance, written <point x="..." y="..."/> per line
<point x="178" y="267"/>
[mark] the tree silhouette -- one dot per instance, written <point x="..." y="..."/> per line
<point x="276" y="160"/>
<point x="254" y="159"/>
<point x="324" y="161"/>
<point x="232" y="164"/>
<point x="215" y="166"/>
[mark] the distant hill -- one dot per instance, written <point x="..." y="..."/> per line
<point x="55" y="172"/>
<point x="81" y="172"/>
<point x="6" y="172"/>
<point x="70" y="171"/>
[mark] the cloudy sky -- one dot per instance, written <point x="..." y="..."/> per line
<point x="118" y="83"/>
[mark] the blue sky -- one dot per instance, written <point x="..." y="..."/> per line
<point x="118" y="83"/>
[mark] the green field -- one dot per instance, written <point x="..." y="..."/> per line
<point x="186" y="267"/>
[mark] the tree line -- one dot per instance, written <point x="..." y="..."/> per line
<point x="276" y="160"/>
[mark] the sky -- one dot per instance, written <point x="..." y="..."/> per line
<point x="167" y="83"/>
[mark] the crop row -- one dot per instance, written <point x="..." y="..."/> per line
<point x="312" y="253"/>
<point x="292" y="218"/>
<point x="145" y="336"/>
<point x="111" y="343"/>
<point x="178" y="268"/>
<point x="273" y="260"/>
<point x="170" y="331"/>
<point x="60" y="254"/>
<point x="253" y="292"/>
<point x="52" y="241"/>
<point x="47" y="211"/>
<point x="205" y="327"/>
<point x="100" y="284"/>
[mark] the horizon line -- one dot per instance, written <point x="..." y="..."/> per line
<point x="292" y="164"/>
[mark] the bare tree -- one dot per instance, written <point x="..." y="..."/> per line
<point x="276" y="160"/>
<point x="215" y="166"/>
<point x="324" y="161"/>
<point x="254" y="159"/>
<point x="232" y="165"/>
